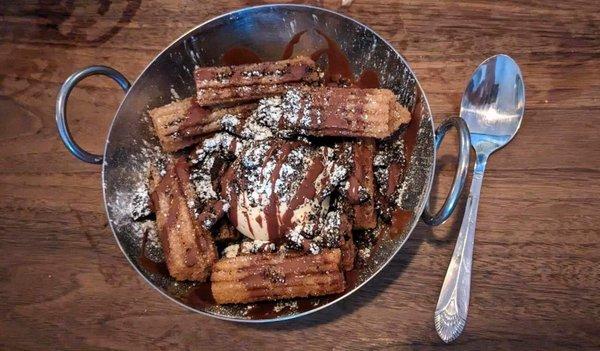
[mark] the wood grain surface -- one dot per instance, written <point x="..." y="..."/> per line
<point x="64" y="283"/>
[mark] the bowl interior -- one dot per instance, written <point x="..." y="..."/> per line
<point x="265" y="30"/>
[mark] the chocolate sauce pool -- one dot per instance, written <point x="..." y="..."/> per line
<point x="148" y="264"/>
<point x="239" y="56"/>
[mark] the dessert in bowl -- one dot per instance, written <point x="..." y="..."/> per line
<point x="268" y="163"/>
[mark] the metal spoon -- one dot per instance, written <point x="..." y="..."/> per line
<point x="493" y="106"/>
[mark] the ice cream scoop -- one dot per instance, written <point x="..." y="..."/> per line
<point x="281" y="188"/>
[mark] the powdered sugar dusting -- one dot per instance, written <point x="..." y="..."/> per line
<point x="203" y="159"/>
<point x="263" y="120"/>
<point x="131" y="204"/>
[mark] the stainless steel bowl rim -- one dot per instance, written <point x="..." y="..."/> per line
<point x="419" y="209"/>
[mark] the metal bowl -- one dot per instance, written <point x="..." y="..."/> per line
<point x="265" y="30"/>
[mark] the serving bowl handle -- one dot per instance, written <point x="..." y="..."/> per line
<point x="61" y="108"/>
<point x="461" y="172"/>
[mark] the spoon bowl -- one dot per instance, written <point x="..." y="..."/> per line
<point x="493" y="103"/>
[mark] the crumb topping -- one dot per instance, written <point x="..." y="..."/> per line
<point x="229" y="123"/>
<point x="204" y="159"/>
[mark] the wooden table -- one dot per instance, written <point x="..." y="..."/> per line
<point x="65" y="284"/>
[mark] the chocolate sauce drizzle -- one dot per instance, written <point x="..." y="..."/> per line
<point x="272" y="208"/>
<point x="159" y="268"/>
<point x="194" y="116"/>
<point x="289" y="47"/>
<point x="368" y="79"/>
<point x="338" y="71"/>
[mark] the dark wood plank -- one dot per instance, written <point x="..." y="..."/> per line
<point x="65" y="284"/>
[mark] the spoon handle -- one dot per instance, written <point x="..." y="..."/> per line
<point x="453" y="303"/>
